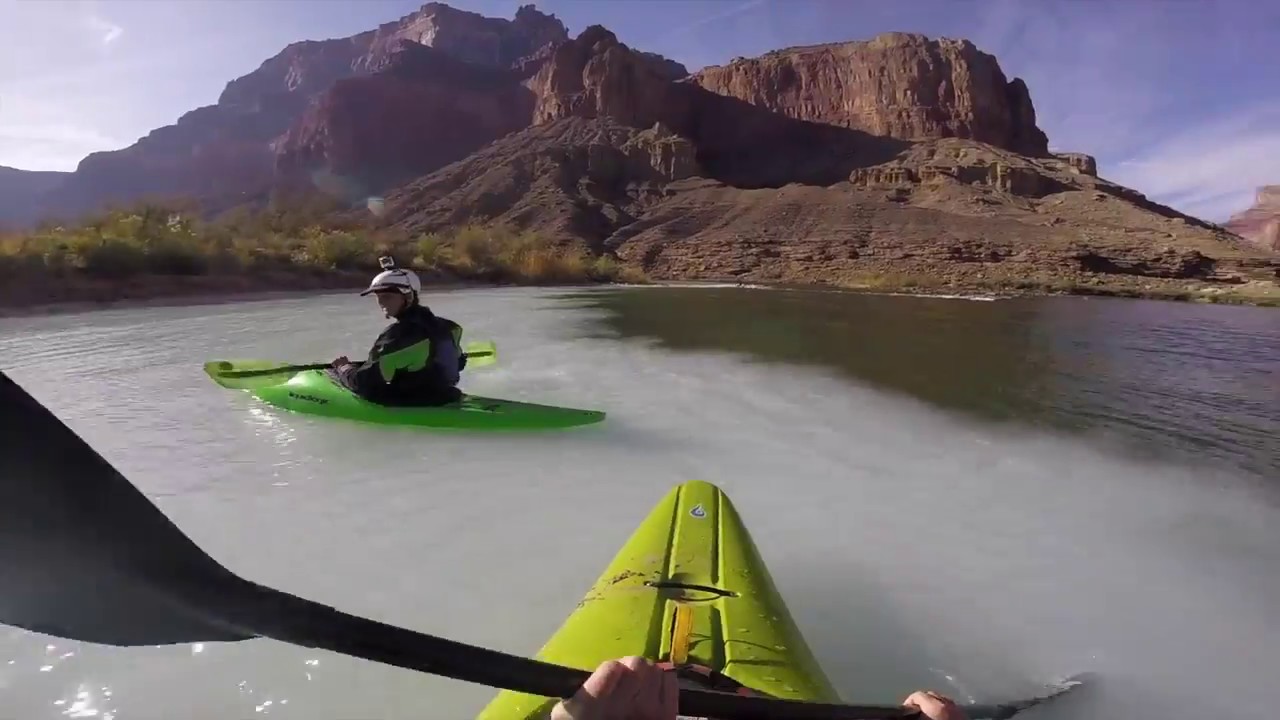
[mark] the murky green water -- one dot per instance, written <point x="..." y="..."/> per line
<point x="1177" y="382"/>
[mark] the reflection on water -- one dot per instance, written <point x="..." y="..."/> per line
<point x="268" y="424"/>
<point x="88" y="703"/>
<point x="1192" y="383"/>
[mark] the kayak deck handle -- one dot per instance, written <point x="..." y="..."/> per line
<point x="670" y="585"/>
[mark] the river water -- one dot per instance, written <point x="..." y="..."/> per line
<point x="975" y="497"/>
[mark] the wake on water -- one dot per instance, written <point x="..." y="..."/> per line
<point x="914" y="548"/>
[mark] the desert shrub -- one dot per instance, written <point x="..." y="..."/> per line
<point x="337" y="250"/>
<point x="106" y="257"/>
<point x="431" y="254"/>
<point x="171" y="240"/>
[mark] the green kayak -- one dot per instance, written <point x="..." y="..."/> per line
<point x="689" y="587"/>
<point x="315" y="392"/>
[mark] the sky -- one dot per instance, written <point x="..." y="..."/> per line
<point x="1179" y="99"/>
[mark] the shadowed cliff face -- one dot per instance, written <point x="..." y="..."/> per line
<point x="1260" y="224"/>
<point x="424" y="109"/>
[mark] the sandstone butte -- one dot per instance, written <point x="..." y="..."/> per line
<point x="1260" y="224"/>
<point x="900" y="162"/>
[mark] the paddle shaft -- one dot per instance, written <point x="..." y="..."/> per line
<point x="315" y="366"/>
<point x="303" y="622"/>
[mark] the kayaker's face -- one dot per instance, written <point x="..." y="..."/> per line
<point x="391" y="303"/>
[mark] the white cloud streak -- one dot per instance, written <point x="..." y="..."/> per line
<point x="731" y="11"/>
<point x="106" y="31"/>
<point x="1212" y="169"/>
<point x="1092" y="92"/>
<point x="1102" y="84"/>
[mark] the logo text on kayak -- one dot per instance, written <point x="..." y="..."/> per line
<point x="308" y="398"/>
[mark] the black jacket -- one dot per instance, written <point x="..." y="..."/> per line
<point x="416" y="360"/>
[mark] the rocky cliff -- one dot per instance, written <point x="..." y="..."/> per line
<point x="897" y="85"/>
<point x="424" y="109"/>
<point x="359" y="115"/>
<point x="1260" y="224"/>
<point x="224" y="153"/>
<point x="684" y="182"/>
<point x="828" y="164"/>
<point x="594" y="76"/>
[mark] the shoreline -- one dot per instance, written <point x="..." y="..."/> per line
<point x="74" y="307"/>
<point x="90" y="295"/>
<point x="175" y="291"/>
<point x="1254" y="294"/>
<point x="1265" y="297"/>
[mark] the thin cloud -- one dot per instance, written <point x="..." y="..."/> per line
<point x="1102" y="84"/>
<point x="723" y="15"/>
<point x="731" y="11"/>
<point x="103" y="29"/>
<point x="1092" y="91"/>
<point x="1212" y="169"/>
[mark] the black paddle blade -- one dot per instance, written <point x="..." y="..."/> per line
<point x="83" y="554"/>
<point x="1004" y="711"/>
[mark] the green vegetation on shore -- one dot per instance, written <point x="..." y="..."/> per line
<point x="155" y="240"/>
<point x="155" y="250"/>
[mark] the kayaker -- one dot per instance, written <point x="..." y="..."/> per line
<point x="633" y="688"/>
<point x="417" y="360"/>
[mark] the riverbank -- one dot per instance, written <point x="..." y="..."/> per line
<point x="156" y="255"/>
<point x="152" y="254"/>
<point x="82" y="293"/>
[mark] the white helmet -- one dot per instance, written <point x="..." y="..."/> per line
<point x="405" y="282"/>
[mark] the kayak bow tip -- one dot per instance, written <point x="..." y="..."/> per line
<point x="216" y="367"/>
